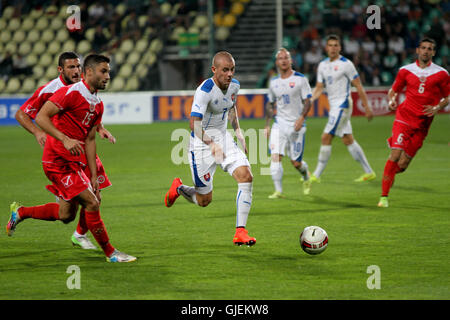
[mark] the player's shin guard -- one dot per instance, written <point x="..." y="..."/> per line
<point x="324" y="156"/>
<point x="49" y="212"/>
<point x="276" y="170"/>
<point x="358" y="154"/>
<point x="98" y="230"/>
<point x="390" y="169"/>
<point x="188" y="193"/>
<point x="243" y="203"/>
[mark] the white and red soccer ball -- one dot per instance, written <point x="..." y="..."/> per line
<point x="313" y="240"/>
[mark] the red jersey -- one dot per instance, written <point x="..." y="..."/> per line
<point x="80" y="111"/>
<point x="32" y="106"/>
<point x="424" y="87"/>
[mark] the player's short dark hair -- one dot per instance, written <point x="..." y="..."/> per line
<point x="94" y="59"/>
<point x="428" y="39"/>
<point x="65" y="56"/>
<point x="333" y="37"/>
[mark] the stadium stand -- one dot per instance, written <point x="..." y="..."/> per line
<point x="138" y="35"/>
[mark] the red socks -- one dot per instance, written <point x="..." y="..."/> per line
<point x="49" y="212"/>
<point x="98" y="230"/>
<point x="390" y="169"/>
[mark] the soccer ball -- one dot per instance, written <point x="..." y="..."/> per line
<point x="313" y="240"/>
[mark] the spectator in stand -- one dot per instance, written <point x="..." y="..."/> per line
<point x="359" y="30"/>
<point x="292" y="21"/>
<point x="100" y="40"/>
<point x="396" y="44"/>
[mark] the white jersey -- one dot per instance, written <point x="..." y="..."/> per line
<point x="212" y="105"/>
<point x="289" y="94"/>
<point x="337" y="76"/>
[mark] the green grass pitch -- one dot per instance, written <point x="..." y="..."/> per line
<point x="186" y="252"/>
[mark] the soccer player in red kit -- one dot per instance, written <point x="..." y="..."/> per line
<point x="427" y="90"/>
<point x="70" y="118"/>
<point x="69" y="69"/>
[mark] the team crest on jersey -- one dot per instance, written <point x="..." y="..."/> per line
<point x="91" y="107"/>
<point x="336" y="68"/>
<point x="232" y="97"/>
<point x="291" y="84"/>
<point x="67" y="181"/>
<point x="422" y="78"/>
<point x="207" y="177"/>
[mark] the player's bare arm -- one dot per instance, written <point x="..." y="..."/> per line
<point x="392" y="95"/>
<point x="234" y="120"/>
<point x="270" y="112"/>
<point x="431" y="111"/>
<point x="105" y="134"/>
<point x="195" y="124"/>
<point x="363" y="96"/>
<point x="43" y="119"/>
<point x="26" y="122"/>
<point x="317" y="91"/>
<point x="91" y="151"/>
<point x="299" y="122"/>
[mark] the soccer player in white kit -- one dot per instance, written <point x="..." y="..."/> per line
<point x="336" y="73"/>
<point x="211" y="145"/>
<point x="291" y="93"/>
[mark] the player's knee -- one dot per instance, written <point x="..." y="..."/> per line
<point x="66" y="216"/>
<point x="93" y="205"/>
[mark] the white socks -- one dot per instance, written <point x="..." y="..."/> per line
<point x="358" y="154"/>
<point x="243" y="203"/>
<point x="324" y="156"/>
<point x="276" y="170"/>
<point x="304" y="170"/>
<point x="188" y="193"/>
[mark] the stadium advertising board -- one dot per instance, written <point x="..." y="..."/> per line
<point x="146" y="107"/>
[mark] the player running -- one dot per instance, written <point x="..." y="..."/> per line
<point x="211" y="145"/>
<point x="291" y="93"/>
<point x="336" y="73"/>
<point x="70" y="118"/>
<point x="69" y="69"/>
<point x="427" y="90"/>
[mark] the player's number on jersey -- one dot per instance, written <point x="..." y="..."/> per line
<point x="286" y="99"/>
<point x="421" y="87"/>
<point x="87" y="118"/>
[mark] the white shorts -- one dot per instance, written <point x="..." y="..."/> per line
<point x="283" y="135"/>
<point x="339" y="121"/>
<point x="203" y="165"/>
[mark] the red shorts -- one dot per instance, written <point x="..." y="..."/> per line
<point x="102" y="178"/>
<point x="69" y="179"/>
<point x="407" y="138"/>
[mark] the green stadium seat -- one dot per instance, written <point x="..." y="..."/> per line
<point x="165" y="8"/>
<point x="36" y="14"/>
<point x="2" y="85"/>
<point x="14" y="24"/>
<point x="149" y="59"/>
<point x="24" y="48"/>
<point x="19" y="36"/>
<point x="12" y="86"/>
<point x="28" y="85"/>
<point x="156" y="45"/>
<point x="62" y="35"/>
<point x="83" y="47"/>
<point x="47" y="35"/>
<point x="141" y="45"/>
<point x="117" y="84"/>
<point x="68" y="45"/>
<point x="8" y="12"/>
<point x="200" y="21"/>
<point x="39" y="48"/>
<point x="132" y="84"/>
<point x="45" y="60"/>
<point x="126" y="70"/>
<point x="32" y="59"/>
<point x="57" y="23"/>
<point x="41" y="23"/>
<point x="38" y="71"/>
<point x="33" y="36"/>
<point x="54" y="47"/>
<point x="134" y="57"/>
<point x="89" y="34"/>
<point x="176" y="32"/>
<point x="222" y="33"/>
<point x="51" y="72"/>
<point x="126" y="46"/>
<point x="5" y="36"/>
<point x="27" y="24"/>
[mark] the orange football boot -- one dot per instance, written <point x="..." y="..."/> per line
<point x="172" y="194"/>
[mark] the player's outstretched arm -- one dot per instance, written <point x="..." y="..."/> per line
<point x="195" y="124"/>
<point x="317" y="91"/>
<point x="105" y="134"/>
<point x="234" y="120"/>
<point x="431" y="111"/>
<point x="363" y="96"/>
<point x="270" y="112"/>
<point x="43" y="119"/>
<point x="91" y="151"/>
<point x="26" y="122"/>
